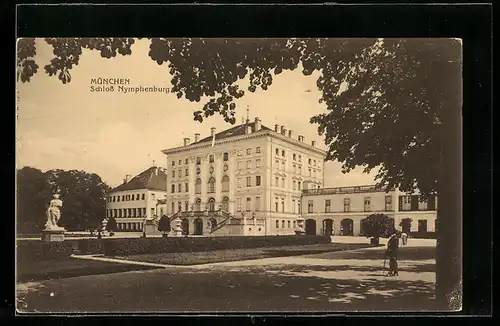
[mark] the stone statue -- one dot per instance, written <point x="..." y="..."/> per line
<point x="54" y="214"/>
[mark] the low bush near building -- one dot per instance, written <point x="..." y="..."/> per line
<point x="125" y="247"/>
<point x="39" y="250"/>
<point x="90" y="246"/>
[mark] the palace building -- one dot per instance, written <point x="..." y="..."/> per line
<point x="246" y="180"/>
<point x="136" y="199"/>
<point x="341" y="211"/>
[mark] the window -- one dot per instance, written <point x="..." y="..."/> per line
<point x="277" y="165"/>
<point x="257" y="163"/>
<point x="186" y="206"/>
<point x="249" y="164"/>
<point x="249" y="151"/>
<point x="257" y="180"/>
<point x="198" y="160"/>
<point x="240" y="165"/>
<point x="276" y="182"/>
<point x="225" y="183"/>
<point x="179" y="187"/>
<point x="123" y="197"/>
<point x="173" y="174"/>
<point x="300" y="158"/>
<point x="257" y="150"/>
<point x="282" y="182"/>
<point x="309" y="172"/>
<point x="197" y="204"/>
<point x="238" y="182"/>
<point x="310" y="206"/>
<point x="283" y="166"/>
<point x="211" y="204"/>
<point x="152" y="211"/>
<point x="277" y="224"/>
<point x="180" y="173"/>
<point x="153" y="196"/>
<point x="294" y="157"/>
<point x="238" y="204"/>
<point x="226" y="157"/>
<point x="211" y="158"/>
<point x="186" y="187"/>
<point x="367" y="204"/>
<point x="388" y="203"/>
<point x="225" y="204"/>
<point x="211" y="185"/>
<point x="173" y="189"/>
<point x="289" y="224"/>
<point x="240" y="152"/>
<point x="143" y="196"/>
<point x="309" y="161"/>
<point x="314" y="162"/>
<point x="283" y="224"/>
<point x="283" y="153"/>
<point x="197" y="186"/>
<point x="406" y="203"/>
<point x="293" y="206"/>
<point x="173" y="163"/>
<point x="298" y="186"/>
<point x="276" y="203"/>
<point x="300" y="170"/>
<point x="327" y="206"/>
<point x="277" y="151"/>
<point x="186" y="161"/>
<point x="294" y="224"/>
<point x="347" y="205"/>
<point x="249" y="204"/>
<point x="298" y="206"/>
<point x="282" y="205"/>
<point x="294" y="168"/>
<point x="180" y="162"/>
<point x="249" y="181"/>
<point x="422" y="226"/>
<point x="144" y="211"/>
<point x="186" y="173"/>
<point x="294" y="184"/>
<point x="179" y="206"/>
<point x="257" y="204"/>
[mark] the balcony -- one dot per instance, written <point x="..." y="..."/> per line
<point x="341" y="190"/>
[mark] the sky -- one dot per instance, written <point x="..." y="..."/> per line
<point x="66" y="126"/>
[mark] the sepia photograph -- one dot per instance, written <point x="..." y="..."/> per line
<point x="219" y="175"/>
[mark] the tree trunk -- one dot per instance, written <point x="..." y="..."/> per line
<point x="449" y="219"/>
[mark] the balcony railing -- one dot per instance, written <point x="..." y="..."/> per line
<point x="342" y="190"/>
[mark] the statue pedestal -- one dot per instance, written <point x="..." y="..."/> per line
<point x="53" y="235"/>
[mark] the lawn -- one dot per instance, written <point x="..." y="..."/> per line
<point x="30" y="271"/>
<point x="218" y="256"/>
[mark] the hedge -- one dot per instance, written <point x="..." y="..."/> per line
<point x="137" y="246"/>
<point x="90" y="246"/>
<point x="423" y="235"/>
<point x="39" y="250"/>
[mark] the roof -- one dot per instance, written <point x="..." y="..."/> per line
<point x="231" y="132"/>
<point x="147" y="179"/>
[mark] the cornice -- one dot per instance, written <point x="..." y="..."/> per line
<point x="244" y="137"/>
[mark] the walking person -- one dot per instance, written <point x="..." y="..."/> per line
<point x="392" y="253"/>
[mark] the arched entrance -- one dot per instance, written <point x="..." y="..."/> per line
<point x="185" y="226"/>
<point x="328" y="226"/>
<point x="347" y="227"/>
<point x="362" y="224"/>
<point x="198" y="226"/>
<point x="310" y="227"/>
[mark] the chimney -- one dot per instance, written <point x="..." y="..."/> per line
<point x="276" y="128"/>
<point x="248" y="129"/>
<point x="283" y="130"/>
<point x="290" y="133"/>
<point x="301" y="138"/>
<point x="313" y="143"/>
<point x="196" y="137"/>
<point x="258" y="125"/>
<point x="212" y="131"/>
<point x="156" y="171"/>
<point x="186" y="141"/>
<point x="127" y="178"/>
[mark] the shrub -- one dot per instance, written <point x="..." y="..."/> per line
<point x="111" y="226"/>
<point x="377" y="225"/>
<point x="164" y="225"/>
<point x="124" y="247"/>
<point x="36" y="250"/>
